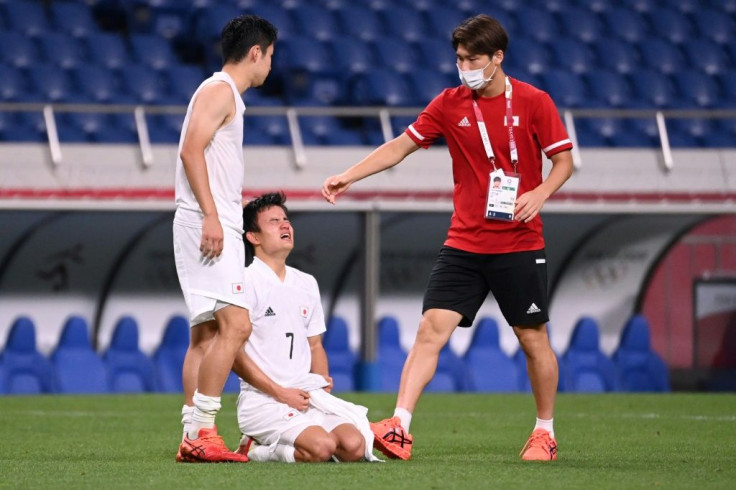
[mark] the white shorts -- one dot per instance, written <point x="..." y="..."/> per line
<point x="268" y="421"/>
<point x="209" y="284"/>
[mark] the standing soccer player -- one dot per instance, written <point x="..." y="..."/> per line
<point x="208" y="228"/>
<point x="495" y="127"/>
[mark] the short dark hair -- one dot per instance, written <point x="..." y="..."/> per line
<point x="481" y="34"/>
<point x="244" y="32"/>
<point x="496" y="179"/>
<point x="250" y="217"/>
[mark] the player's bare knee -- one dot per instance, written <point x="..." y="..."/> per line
<point x="429" y="337"/>
<point x="236" y="330"/>
<point x="353" y="447"/>
<point x="322" y="449"/>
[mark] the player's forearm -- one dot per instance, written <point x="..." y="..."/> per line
<point x="248" y="370"/>
<point x="320" y="364"/>
<point x="195" y="167"/>
<point x="558" y="175"/>
<point x="380" y="159"/>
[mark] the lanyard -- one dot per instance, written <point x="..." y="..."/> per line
<point x="509" y="124"/>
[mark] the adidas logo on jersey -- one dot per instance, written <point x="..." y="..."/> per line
<point x="270" y="312"/>
<point x="464" y="123"/>
<point x="533" y="309"/>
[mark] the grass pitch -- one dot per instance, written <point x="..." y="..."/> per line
<point x="461" y="441"/>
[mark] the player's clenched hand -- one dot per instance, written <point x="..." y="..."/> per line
<point x="528" y="205"/>
<point x="295" y="398"/>
<point x="212" y="237"/>
<point x="334" y="185"/>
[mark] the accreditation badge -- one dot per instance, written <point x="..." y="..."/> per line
<point x="502" y="191"/>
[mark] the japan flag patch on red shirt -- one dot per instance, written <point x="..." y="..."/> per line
<point x="304" y="311"/>
<point x="237" y="288"/>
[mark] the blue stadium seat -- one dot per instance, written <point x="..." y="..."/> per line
<point x="443" y="20"/>
<point x="169" y="24"/>
<point x="319" y="126"/>
<point x="654" y="88"/>
<point x="588" y="369"/>
<point x="671" y="25"/>
<point x="316" y="22"/>
<point x="169" y="356"/>
<point x="3" y="389"/>
<point x="639" y="368"/>
<point x="152" y="50"/>
<point x="538" y="24"/>
<point x="98" y="84"/>
<point x="8" y="120"/>
<point x="663" y="56"/>
<point x="183" y="80"/>
<point x="74" y="18"/>
<point x="698" y="89"/>
<point x="627" y="25"/>
<point x="489" y="368"/>
<point x="408" y="24"/>
<point x="427" y="84"/>
<point x="232" y="384"/>
<point x="341" y="359"/>
<point x="360" y="22"/>
<point x="682" y="139"/>
<point x="583" y="25"/>
<point x="275" y="126"/>
<point x="352" y="55"/>
<point x="77" y="366"/>
<point x="255" y="137"/>
<point x="390" y="356"/>
<point x="437" y="54"/>
<point x="715" y="26"/>
<point x="108" y="50"/>
<point x="129" y="369"/>
<point x="13" y="86"/>
<point x="62" y="50"/>
<point x="145" y="84"/>
<point x="529" y="55"/>
<point x="395" y="54"/>
<point x="27" y="371"/>
<point x="17" y="50"/>
<point x="28" y="18"/>
<point x="642" y="5"/>
<point x="382" y="87"/>
<point x="52" y="83"/>
<point x="566" y="89"/>
<point x="208" y="26"/>
<point x="727" y="80"/>
<point x="608" y="128"/>
<point x="279" y="17"/>
<point x="618" y="56"/>
<point x="161" y="132"/>
<point x="92" y="124"/>
<point x="611" y="88"/>
<point x="344" y="137"/>
<point x="450" y="374"/>
<point x="686" y="6"/>
<point x="572" y="55"/>
<point x="708" y="56"/>
<point x="697" y="128"/>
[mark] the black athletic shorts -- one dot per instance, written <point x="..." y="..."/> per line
<point x="460" y="281"/>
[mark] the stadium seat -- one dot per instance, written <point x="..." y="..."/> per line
<point x="62" y="50"/>
<point x="538" y="24"/>
<point x="168" y="358"/>
<point x="27" y="18"/>
<point x="208" y="26"/>
<point x="408" y="24"/>
<point x="529" y="55"/>
<point x="74" y="18"/>
<point x="583" y="25"/>
<point x="382" y="87"/>
<point x="341" y="359"/>
<point x="152" y="50"/>
<point x="671" y="25"/>
<point x="488" y="367"/>
<point x="52" y="83"/>
<point x="275" y="126"/>
<point x="572" y="55"/>
<point x="626" y="25"/>
<point x="3" y="389"/>
<point x="588" y="369"/>
<point x="129" y="369"/>
<point x="390" y="356"/>
<point x="428" y="84"/>
<point x="107" y="49"/>
<point x="699" y="89"/>
<point x="316" y="22"/>
<point x="610" y="88"/>
<point x="682" y="139"/>
<point x="360" y="22"/>
<point x="566" y="89"/>
<point x="663" y="56"/>
<point x="352" y="56"/>
<point x="320" y="126"/>
<point x="183" y="80"/>
<point x="145" y="84"/>
<point x="708" y="56"/>
<point x="437" y="54"/>
<point x="715" y="26"/>
<point x="7" y="119"/>
<point x="450" y="374"/>
<point x="99" y="85"/>
<point x="13" y="86"/>
<point x="639" y="368"/>
<point x="618" y="56"/>
<point x="654" y="88"/>
<point x="395" y="54"/>
<point x="698" y="128"/>
<point x="631" y="138"/>
<point x="92" y="124"/>
<point x="443" y="20"/>
<point x="27" y="371"/>
<point x="17" y="50"/>
<point x="642" y="5"/>
<point x="77" y="366"/>
<point x="344" y="137"/>
<point x="686" y="6"/>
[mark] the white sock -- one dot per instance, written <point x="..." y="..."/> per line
<point x="405" y="417"/>
<point x="546" y="425"/>
<point x="203" y="415"/>
<point x="186" y="418"/>
<point x="283" y="453"/>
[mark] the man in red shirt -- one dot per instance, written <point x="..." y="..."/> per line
<point x="494" y="126"/>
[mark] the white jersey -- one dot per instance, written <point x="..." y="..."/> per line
<point x="225" y="168"/>
<point x="284" y="315"/>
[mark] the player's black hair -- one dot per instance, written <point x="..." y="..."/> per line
<point x="250" y="217"/>
<point x="481" y="34"/>
<point x="244" y="32"/>
<point x="496" y="179"/>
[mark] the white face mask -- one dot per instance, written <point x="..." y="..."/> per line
<point x="474" y="79"/>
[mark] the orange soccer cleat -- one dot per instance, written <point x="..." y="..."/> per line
<point x="391" y="439"/>
<point x="540" y="447"/>
<point x="208" y="448"/>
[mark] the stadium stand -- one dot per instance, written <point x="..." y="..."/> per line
<point x="342" y="360"/>
<point x="129" y="369"/>
<point x="450" y="374"/>
<point x="488" y="367"/>
<point x="169" y="356"/>
<point x="587" y="368"/>
<point x="27" y="371"/>
<point x="77" y="367"/>
<point x="638" y="367"/>
<point x="390" y="355"/>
